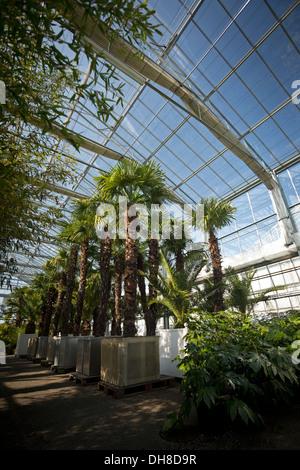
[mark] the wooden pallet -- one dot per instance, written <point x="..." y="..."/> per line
<point x="62" y="370"/>
<point x="37" y="360"/>
<point x="83" y="379"/>
<point x="119" y="392"/>
<point x="46" y="363"/>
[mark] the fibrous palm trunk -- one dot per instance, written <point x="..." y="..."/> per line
<point x="82" y="284"/>
<point x="69" y="291"/>
<point x="105" y="275"/>
<point x="153" y="270"/>
<point x="116" y="321"/>
<point x="48" y="311"/>
<point x="130" y="281"/>
<point x="217" y="271"/>
<point x="42" y="318"/>
<point x="179" y="261"/>
<point x="142" y="288"/>
<point x="59" y="303"/>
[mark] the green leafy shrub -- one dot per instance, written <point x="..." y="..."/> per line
<point x="9" y="335"/>
<point x="234" y="368"/>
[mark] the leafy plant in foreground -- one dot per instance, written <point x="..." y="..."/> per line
<point x="230" y="367"/>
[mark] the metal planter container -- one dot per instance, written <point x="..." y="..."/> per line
<point x="89" y="355"/>
<point x="42" y="347"/>
<point x="32" y="346"/>
<point x="22" y="343"/>
<point x="130" y="361"/>
<point x="51" y="349"/>
<point x="66" y="351"/>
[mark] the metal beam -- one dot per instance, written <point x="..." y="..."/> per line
<point x="131" y="60"/>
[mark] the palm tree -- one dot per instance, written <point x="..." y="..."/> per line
<point x="136" y="182"/>
<point x="45" y="283"/>
<point x="105" y="275"/>
<point x="118" y="258"/>
<point x="217" y="214"/>
<point x="70" y="283"/>
<point x="24" y="304"/>
<point x="60" y="262"/>
<point x="239" y="291"/>
<point x="91" y="298"/>
<point x="156" y="195"/>
<point x="176" y="290"/>
<point x="105" y="254"/>
<point x="83" y="232"/>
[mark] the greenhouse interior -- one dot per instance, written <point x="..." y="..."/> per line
<point x="187" y="112"/>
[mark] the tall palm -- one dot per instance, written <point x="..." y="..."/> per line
<point x="91" y="298"/>
<point x="60" y="262"/>
<point x="66" y="235"/>
<point x="135" y="182"/>
<point x="45" y="283"/>
<point x="217" y="214"/>
<point x="239" y="291"/>
<point x="105" y="255"/>
<point x="118" y="256"/>
<point x="83" y="232"/>
<point x="24" y="304"/>
<point x="156" y="195"/>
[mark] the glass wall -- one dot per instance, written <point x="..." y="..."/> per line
<point x="255" y="226"/>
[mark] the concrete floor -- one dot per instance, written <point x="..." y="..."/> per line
<point x="40" y="409"/>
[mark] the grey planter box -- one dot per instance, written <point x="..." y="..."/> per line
<point x="130" y="361"/>
<point x="51" y="348"/>
<point x="89" y="355"/>
<point x="66" y="352"/>
<point x="22" y="343"/>
<point x="32" y="346"/>
<point x="42" y="347"/>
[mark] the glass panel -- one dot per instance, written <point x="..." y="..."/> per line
<point x="232" y="45"/>
<point x="237" y="94"/>
<point x="255" y="20"/>
<point x="288" y="187"/>
<point x="282" y="57"/>
<point x="261" y="82"/>
<point x="257" y="195"/>
<point x="243" y="214"/>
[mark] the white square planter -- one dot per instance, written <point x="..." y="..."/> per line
<point x="89" y="355"/>
<point x="42" y="347"/>
<point x="51" y="348"/>
<point x="66" y="351"/>
<point x="130" y="361"/>
<point x="22" y="343"/>
<point x="170" y="344"/>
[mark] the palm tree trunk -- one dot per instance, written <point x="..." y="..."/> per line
<point x="179" y="261"/>
<point x="18" y="322"/>
<point x="130" y="280"/>
<point x="153" y="270"/>
<point x="69" y="291"/>
<point x="48" y="311"/>
<point x="59" y="303"/>
<point x="116" y="321"/>
<point x="86" y="327"/>
<point x="105" y="256"/>
<point x="82" y="284"/>
<point x="142" y="289"/>
<point x="42" y="318"/>
<point x="217" y="271"/>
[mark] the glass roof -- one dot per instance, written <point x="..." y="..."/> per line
<point x="240" y="58"/>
